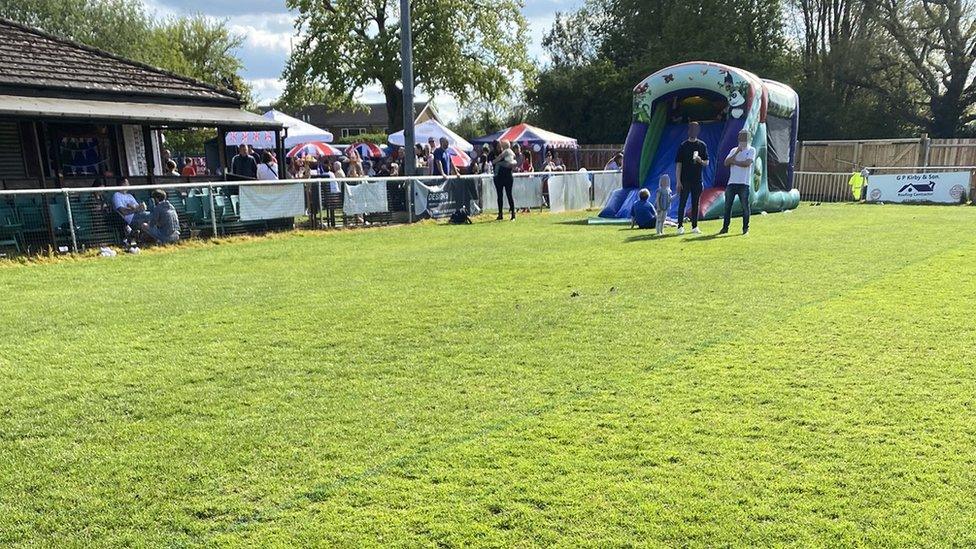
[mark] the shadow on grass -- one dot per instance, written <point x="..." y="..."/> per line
<point x="649" y="236"/>
<point x="574" y="222"/>
<point x="713" y="236"/>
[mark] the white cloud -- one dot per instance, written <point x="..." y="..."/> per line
<point x="266" y="90"/>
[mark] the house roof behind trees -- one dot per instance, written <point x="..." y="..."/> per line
<point x="370" y="115"/>
<point x="48" y="65"/>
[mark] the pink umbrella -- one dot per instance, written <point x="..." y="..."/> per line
<point x="315" y="148"/>
<point x="366" y="150"/>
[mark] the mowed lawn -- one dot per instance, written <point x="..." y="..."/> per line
<point x="504" y="384"/>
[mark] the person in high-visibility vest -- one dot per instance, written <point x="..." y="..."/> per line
<point x="859" y="183"/>
<point x="855" y="182"/>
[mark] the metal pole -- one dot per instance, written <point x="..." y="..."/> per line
<point x="213" y="214"/>
<point x="321" y="213"/>
<point x="406" y="62"/>
<point x="71" y="222"/>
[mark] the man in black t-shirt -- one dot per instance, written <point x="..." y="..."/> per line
<point x="243" y="164"/>
<point x="691" y="158"/>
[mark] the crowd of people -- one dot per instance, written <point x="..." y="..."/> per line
<point x="433" y="158"/>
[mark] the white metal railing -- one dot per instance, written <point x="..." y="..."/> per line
<point x="823" y="186"/>
<point x="311" y="184"/>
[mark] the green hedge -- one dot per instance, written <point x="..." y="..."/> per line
<point x="377" y="138"/>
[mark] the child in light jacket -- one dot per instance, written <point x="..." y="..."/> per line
<point x="662" y="201"/>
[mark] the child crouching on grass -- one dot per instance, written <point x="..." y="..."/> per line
<point x="662" y="202"/>
<point x="642" y="212"/>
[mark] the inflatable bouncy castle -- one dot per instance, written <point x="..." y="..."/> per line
<point x="724" y="100"/>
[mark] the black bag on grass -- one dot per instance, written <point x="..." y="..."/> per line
<point x="460" y="217"/>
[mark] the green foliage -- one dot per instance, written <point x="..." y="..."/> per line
<point x="485" y="117"/>
<point x="194" y="46"/>
<point x="933" y="48"/>
<point x="602" y="50"/>
<point x="597" y="112"/>
<point x="563" y="385"/>
<point x="463" y="49"/>
<point x="204" y="49"/>
<point x="377" y="138"/>
<point x="189" y="141"/>
<point x="877" y="68"/>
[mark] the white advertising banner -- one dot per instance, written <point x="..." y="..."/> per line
<point x="135" y="149"/>
<point x="935" y="188"/>
<point x="365" y="198"/>
<point x="570" y="191"/>
<point x="603" y="186"/>
<point x="272" y="201"/>
<point x="526" y="191"/>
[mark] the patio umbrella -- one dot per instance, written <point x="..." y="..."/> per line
<point x="459" y="158"/>
<point x="315" y="148"/>
<point x="366" y="150"/>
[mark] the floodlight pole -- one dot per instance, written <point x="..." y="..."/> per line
<point x="406" y="63"/>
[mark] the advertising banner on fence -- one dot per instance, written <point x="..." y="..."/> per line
<point x="364" y="198"/>
<point x="442" y="200"/>
<point x="272" y="201"/>
<point x="933" y="188"/>
<point x="570" y="191"/>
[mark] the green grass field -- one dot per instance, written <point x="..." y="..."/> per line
<point x="505" y="384"/>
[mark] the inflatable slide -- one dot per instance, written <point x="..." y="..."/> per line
<point x="724" y="100"/>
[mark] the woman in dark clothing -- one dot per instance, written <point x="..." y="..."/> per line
<point x="504" y="163"/>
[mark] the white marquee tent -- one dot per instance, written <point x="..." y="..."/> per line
<point x="432" y="128"/>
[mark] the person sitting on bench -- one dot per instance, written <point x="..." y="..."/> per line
<point x="164" y="224"/>
<point x="133" y="213"/>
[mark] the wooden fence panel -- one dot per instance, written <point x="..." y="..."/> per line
<point x="828" y="157"/>
<point x="889" y="154"/>
<point x="952" y="152"/>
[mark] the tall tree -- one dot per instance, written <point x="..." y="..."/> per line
<point x="462" y="48"/>
<point x="934" y="45"/>
<point x="599" y="52"/>
<point x="206" y="50"/>
<point x="838" y="47"/>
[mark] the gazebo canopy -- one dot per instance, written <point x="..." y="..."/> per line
<point x="432" y="128"/>
<point x="298" y="132"/>
<point x="529" y="135"/>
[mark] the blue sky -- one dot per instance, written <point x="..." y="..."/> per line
<point x="268" y="28"/>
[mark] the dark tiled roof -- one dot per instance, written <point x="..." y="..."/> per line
<point x="34" y="59"/>
<point x="368" y="115"/>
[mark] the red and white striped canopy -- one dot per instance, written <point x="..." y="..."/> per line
<point x="314" y="148"/>
<point x="529" y="135"/>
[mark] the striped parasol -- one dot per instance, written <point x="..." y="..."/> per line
<point x="459" y="158"/>
<point x="315" y="148"/>
<point x="366" y="150"/>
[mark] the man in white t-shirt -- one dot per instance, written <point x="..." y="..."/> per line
<point x="739" y="161"/>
